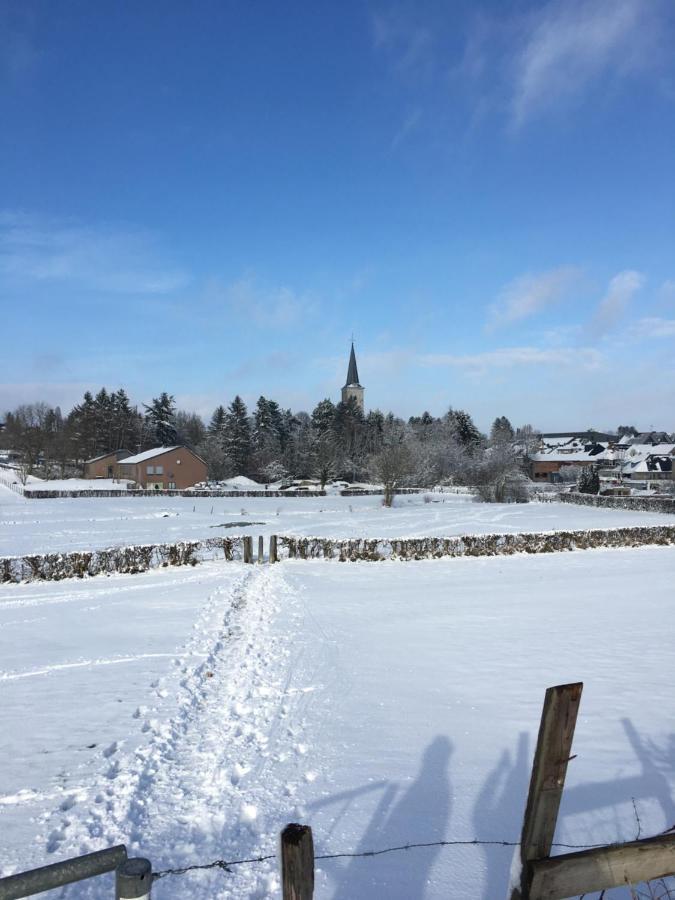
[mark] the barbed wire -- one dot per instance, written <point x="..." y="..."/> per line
<point x="225" y="864"/>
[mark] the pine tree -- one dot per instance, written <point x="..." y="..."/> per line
<point x="463" y="429"/>
<point x="502" y="431"/>
<point x="217" y="423"/>
<point x="161" y="420"/>
<point x="237" y="436"/>
<point x="323" y="417"/>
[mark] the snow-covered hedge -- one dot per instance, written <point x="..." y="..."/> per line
<point x="646" y="504"/>
<point x="375" y="549"/>
<point x="139" y="558"/>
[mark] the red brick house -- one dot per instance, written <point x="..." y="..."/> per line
<point x="105" y="466"/>
<point x="164" y="468"/>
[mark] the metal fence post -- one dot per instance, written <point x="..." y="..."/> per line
<point x="133" y="879"/>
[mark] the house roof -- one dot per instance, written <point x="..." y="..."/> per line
<point x="109" y="453"/>
<point x="149" y="454"/>
<point x="352" y="371"/>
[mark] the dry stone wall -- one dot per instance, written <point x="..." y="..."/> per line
<point x="130" y="560"/>
<point x="376" y="549"/>
<point x="645" y="504"/>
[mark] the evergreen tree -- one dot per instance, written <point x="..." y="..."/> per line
<point x="323" y="417"/>
<point x="463" y="430"/>
<point x="237" y="437"/>
<point x="160" y="417"/>
<point x="217" y="423"/>
<point x="502" y="431"/>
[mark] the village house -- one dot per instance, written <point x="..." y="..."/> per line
<point x="559" y="451"/>
<point x="164" y="468"/>
<point x="105" y="466"/>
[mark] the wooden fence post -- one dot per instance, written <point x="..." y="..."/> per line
<point x="273" y="549"/>
<point x="133" y="879"/>
<point x="248" y="549"/>
<point x="261" y="549"/>
<point x="297" y="862"/>
<point x="556" y="731"/>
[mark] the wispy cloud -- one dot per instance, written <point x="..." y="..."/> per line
<point x="530" y="294"/>
<point x="407" y="41"/>
<point x="510" y="357"/>
<point x="265" y="306"/>
<point x="654" y="327"/>
<point x="111" y="259"/>
<point x="613" y="306"/>
<point x="570" y="44"/>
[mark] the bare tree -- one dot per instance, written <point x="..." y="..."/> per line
<point x="390" y="466"/>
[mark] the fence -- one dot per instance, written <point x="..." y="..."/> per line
<point x="540" y="876"/>
<point x="48" y="494"/>
<point x="9" y="481"/>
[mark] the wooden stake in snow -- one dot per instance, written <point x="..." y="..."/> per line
<point x="554" y="745"/>
<point x="273" y="549"/>
<point x="248" y="549"/>
<point x="297" y="862"/>
<point x="261" y="549"/>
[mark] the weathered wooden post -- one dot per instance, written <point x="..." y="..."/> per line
<point x="261" y="549"/>
<point x="273" y="549"/>
<point x="297" y="862"/>
<point x="133" y="879"/>
<point x="556" y="731"/>
<point x="248" y="549"/>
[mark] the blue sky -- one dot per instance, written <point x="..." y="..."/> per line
<point x="209" y="198"/>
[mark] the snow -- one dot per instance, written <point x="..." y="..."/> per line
<point x="147" y="454"/>
<point x="381" y="704"/>
<point x="35" y="526"/>
<point x="84" y="484"/>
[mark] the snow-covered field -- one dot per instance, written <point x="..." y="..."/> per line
<point x="34" y="526"/>
<point x="191" y="714"/>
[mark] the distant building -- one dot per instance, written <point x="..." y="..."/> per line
<point x="104" y="466"/>
<point x="558" y="451"/>
<point x="164" y="468"/>
<point x="352" y="387"/>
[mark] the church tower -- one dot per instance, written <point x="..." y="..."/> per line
<point x="352" y="387"/>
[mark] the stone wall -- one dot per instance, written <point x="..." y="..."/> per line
<point x="376" y="549"/>
<point x="646" y="504"/>
<point x="129" y="560"/>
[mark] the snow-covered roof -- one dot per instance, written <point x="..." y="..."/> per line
<point x="147" y="454"/>
<point x="573" y="450"/>
<point x="109" y="453"/>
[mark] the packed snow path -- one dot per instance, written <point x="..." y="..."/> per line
<point x="380" y="704"/>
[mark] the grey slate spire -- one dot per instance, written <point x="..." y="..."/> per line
<point x="353" y="390"/>
<point x="352" y="371"/>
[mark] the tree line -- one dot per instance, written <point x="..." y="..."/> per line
<point x="269" y="443"/>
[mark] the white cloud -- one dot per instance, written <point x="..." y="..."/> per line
<point x="569" y="44"/>
<point x="509" y="357"/>
<point x="267" y="307"/>
<point x="653" y="327"/>
<point x="621" y="290"/>
<point x="100" y="258"/>
<point x="530" y="294"/>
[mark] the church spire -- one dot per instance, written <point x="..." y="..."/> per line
<point x="352" y="371"/>
<point x="353" y="390"/>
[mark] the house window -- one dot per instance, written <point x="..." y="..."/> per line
<point x="172" y="485"/>
<point x="150" y="470"/>
<point x="159" y="470"/>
